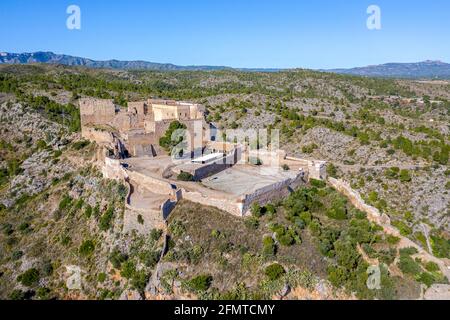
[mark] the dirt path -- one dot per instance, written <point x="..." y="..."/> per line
<point x="426" y="232"/>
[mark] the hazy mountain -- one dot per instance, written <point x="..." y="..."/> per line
<point x="53" y="58"/>
<point x="426" y="69"/>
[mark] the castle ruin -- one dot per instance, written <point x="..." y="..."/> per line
<point x="222" y="173"/>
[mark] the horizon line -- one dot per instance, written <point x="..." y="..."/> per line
<point x="223" y="65"/>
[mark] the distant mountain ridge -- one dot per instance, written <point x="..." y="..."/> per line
<point x="420" y="70"/>
<point x="426" y="69"/>
<point x="53" y="58"/>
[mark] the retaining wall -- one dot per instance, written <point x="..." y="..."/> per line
<point x="272" y="192"/>
<point x="97" y="135"/>
<point x="316" y="169"/>
<point x="374" y="215"/>
<point x="152" y="184"/>
<point x="232" y="206"/>
<point x="166" y="208"/>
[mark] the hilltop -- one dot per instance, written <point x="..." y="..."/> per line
<point x="420" y="70"/>
<point x="387" y="138"/>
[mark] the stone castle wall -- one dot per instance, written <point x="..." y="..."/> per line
<point x="97" y="111"/>
<point x="154" y="185"/>
<point x="97" y="135"/>
<point x="374" y="215"/>
<point x="214" y="167"/>
<point x="316" y="169"/>
<point x="272" y="192"/>
<point x="229" y="205"/>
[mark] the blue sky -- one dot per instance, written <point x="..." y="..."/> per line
<point x="239" y="33"/>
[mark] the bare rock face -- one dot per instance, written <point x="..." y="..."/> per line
<point x="438" y="292"/>
<point x="324" y="289"/>
<point x="130" y="295"/>
<point x="285" y="291"/>
<point x="332" y="145"/>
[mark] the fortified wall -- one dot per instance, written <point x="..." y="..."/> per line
<point x="140" y="126"/>
<point x="381" y="219"/>
<point x="96" y="111"/>
<point x="272" y="192"/>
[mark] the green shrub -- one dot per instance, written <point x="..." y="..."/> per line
<point x="338" y="209"/>
<point x="80" y="144"/>
<point x="151" y="258"/>
<point x="17" y="295"/>
<point x="88" y="211"/>
<point x="309" y="148"/>
<point x="79" y="204"/>
<point x="101" y="277"/>
<point x="306" y="217"/>
<point x="440" y="246"/>
<point x="87" y="248"/>
<point x="117" y="258"/>
<point x="392" y="173"/>
<point x="140" y="280"/>
<point x="405" y="176"/>
<point x="43" y="293"/>
<point x="140" y="219"/>
<point x="270" y="209"/>
<point x="29" y="278"/>
<point x="199" y="283"/>
<point x="65" y="202"/>
<point x="215" y="233"/>
<point x="337" y="275"/>
<point x="408" y="251"/>
<point x="128" y="269"/>
<point x="256" y="210"/>
<point x="331" y="170"/>
<point x="426" y="278"/>
<point x="177" y="228"/>
<point x="404" y="229"/>
<point x="16" y="255"/>
<point x="392" y="239"/>
<point x="408" y="265"/>
<point x="252" y="222"/>
<point x="431" y="266"/>
<point x="269" y="248"/>
<point x="373" y="196"/>
<point x="166" y="141"/>
<point x="274" y="271"/>
<point x="106" y="219"/>
<point x="57" y="154"/>
<point x="41" y="144"/>
<point x="317" y="183"/>
<point x="286" y="240"/>
<point x="122" y="190"/>
<point x="155" y="234"/>
<point x="185" y="176"/>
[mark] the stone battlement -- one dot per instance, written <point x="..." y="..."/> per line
<point x="140" y="126"/>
